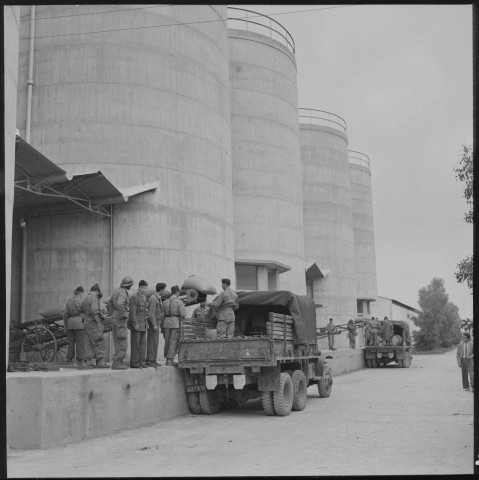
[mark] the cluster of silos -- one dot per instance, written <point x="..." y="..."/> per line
<point x="267" y="190"/>
<point x="142" y="94"/>
<point x="328" y="220"/>
<point x="363" y="223"/>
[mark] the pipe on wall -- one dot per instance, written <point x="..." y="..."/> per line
<point x="30" y="73"/>
<point x="23" y="290"/>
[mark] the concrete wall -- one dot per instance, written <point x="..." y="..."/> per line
<point x="268" y="217"/>
<point x="328" y="224"/>
<point x="11" y="26"/>
<point x="140" y="104"/>
<point x="363" y="221"/>
<point x="46" y="409"/>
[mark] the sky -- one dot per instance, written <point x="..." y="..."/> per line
<point x="401" y="78"/>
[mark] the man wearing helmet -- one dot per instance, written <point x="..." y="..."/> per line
<point x="119" y="319"/>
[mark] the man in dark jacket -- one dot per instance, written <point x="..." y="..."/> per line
<point x="352" y="333"/>
<point x="73" y="324"/>
<point x="95" y="344"/>
<point x="331" y="329"/>
<point x="387" y="331"/>
<point x="137" y="325"/>
<point x="119" y="318"/>
<point x="155" y="324"/>
<point x="465" y="360"/>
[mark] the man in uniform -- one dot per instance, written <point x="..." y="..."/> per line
<point x="95" y="344"/>
<point x="375" y="328"/>
<point x="175" y="312"/>
<point x="352" y="333"/>
<point x="200" y="318"/>
<point x="331" y="329"/>
<point x="155" y="324"/>
<point x="465" y="360"/>
<point x="367" y="331"/>
<point x="225" y="304"/>
<point x="137" y="326"/>
<point x="73" y="324"/>
<point x="119" y="318"/>
<point x="387" y="331"/>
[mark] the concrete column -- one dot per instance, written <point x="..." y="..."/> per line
<point x="273" y="278"/>
<point x="262" y="277"/>
<point x="11" y="41"/>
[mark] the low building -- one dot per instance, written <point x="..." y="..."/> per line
<point x="394" y="310"/>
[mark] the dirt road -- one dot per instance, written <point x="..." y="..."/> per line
<point x="377" y="422"/>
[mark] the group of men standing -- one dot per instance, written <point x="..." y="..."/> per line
<point x="373" y="329"/>
<point x="144" y="317"/>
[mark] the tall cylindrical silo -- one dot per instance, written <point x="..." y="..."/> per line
<point x="328" y="222"/>
<point x="363" y="222"/>
<point x="267" y="193"/>
<point x="11" y="28"/>
<point x="142" y="94"/>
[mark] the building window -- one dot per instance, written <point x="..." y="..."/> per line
<point x="246" y="277"/>
<point x="360" y="306"/>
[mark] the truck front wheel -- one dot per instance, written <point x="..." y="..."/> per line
<point x="194" y="403"/>
<point x="267" y="401"/>
<point x="300" y="390"/>
<point x="325" y="385"/>
<point x="209" y="403"/>
<point x="283" y="398"/>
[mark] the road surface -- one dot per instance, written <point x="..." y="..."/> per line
<point x="376" y="422"/>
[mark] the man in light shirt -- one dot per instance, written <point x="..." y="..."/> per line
<point x="465" y="360"/>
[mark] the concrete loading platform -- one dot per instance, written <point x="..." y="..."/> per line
<point x="47" y="409"/>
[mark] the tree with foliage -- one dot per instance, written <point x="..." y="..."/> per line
<point x="465" y="173"/>
<point x="438" y="321"/>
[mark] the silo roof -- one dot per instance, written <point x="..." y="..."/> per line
<point x="42" y="188"/>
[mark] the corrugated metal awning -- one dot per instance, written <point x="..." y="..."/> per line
<point x="43" y="188"/>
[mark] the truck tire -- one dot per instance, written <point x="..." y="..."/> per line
<point x="209" y="403"/>
<point x="300" y="390"/>
<point x="374" y="363"/>
<point x="267" y="401"/>
<point x="325" y="385"/>
<point x="368" y="363"/>
<point x="283" y="398"/>
<point x="194" y="403"/>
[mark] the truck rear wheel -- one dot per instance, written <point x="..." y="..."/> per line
<point x="194" y="403"/>
<point x="325" y="385"/>
<point x="283" y="398"/>
<point x="300" y="390"/>
<point x="267" y="401"/>
<point x="209" y="403"/>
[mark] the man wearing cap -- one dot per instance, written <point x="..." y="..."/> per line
<point x="175" y="312"/>
<point x="465" y="360"/>
<point x="73" y="324"/>
<point x="95" y="344"/>
<point x="351" y="326"/>
<point x="137" y="326"/>
<point x="119" y="318"/>
<point x="387" y="331"/>
<point x="225" y="304"/>
<point x="155" y="324"/>
<point x="331" y="329"/>
<point x="374" y="328"/>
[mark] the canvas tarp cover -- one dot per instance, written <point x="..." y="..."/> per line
<point x="300" y="307"/>
<point x="405" y="326"/>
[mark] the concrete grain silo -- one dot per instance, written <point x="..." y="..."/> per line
<point x="328" y="222"/>
<point x="141" y="94"/>
<point x="363" y="222"/>
<point x="268" y="220"/>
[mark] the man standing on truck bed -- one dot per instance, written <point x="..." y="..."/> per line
<point x="331" y="329"/>
<point x="174" y="311"/>
<point x="387" y="331"/>
<point x="225" y="304"/>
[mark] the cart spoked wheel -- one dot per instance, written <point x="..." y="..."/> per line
<point x="39" y="345"/>
<point x="60" y="355"/>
